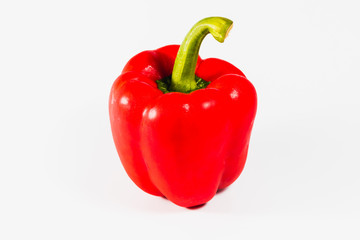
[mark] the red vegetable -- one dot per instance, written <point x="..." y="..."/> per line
<point x="182" y="127"/>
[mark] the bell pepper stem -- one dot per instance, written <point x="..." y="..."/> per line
<point x="183" y="75"/>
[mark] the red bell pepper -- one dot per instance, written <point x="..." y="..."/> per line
<point x="181" y="124"/>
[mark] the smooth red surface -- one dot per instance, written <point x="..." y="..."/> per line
<point x="181" y="146"/>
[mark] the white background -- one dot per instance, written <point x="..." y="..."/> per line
<point x="61" y="178"/>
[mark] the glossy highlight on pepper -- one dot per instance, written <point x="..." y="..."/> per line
<point x="183" y="140"/>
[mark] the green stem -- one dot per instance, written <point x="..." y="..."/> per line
<point x="183" y="75"/>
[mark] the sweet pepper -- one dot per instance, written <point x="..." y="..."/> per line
<point x="182" y="124"/>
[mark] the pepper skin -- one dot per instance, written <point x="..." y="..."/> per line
<point x="183" y="146"/>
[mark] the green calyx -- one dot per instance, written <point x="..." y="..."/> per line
<point x="183" y="77"/>
<point x="164" y="84"/>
